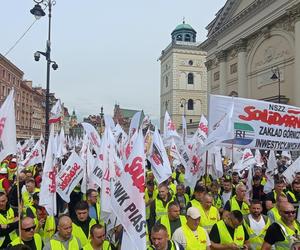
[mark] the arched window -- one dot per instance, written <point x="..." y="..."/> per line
<point x="190" y="104"/>
<point x="167" y="81"/>
<point x="190" y="78"/>
<point x="179" y="38"/>
<point x="187" y="38"/>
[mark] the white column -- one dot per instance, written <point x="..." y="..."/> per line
<point x="208" y="65"/>
<point x="242" y="70"/>
<point x="223" y="72"/>
<point x="296" y="85"/>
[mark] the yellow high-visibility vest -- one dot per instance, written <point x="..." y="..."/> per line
<point x="235" y="206"/>
<point x="288" y="233"/>
<point x="192" y="242"/>
<point x="49" y="229"/>
<point x="78" y="232"/>
<point x="164" y="220"/>
<point x="207" y="220"/>
<point x="10" y="216"/>
<point x="225" y="237"/>
<point x="37" y="241"/>
<point x="56" y="244"/>
<point x="105" y="246"/>
<point x="256" y="241"/>
<point x="160" y="209"/>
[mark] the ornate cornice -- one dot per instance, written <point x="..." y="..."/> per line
<point x="221" y="55"/>
<point x="208" y="64"/>
<point x="294" y="13"/>
<point x="241" y="45"/>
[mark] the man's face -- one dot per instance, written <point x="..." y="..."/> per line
<point x="207" y="202"/>
<point x="160" y="239"/>
<point x="235" y="222"/>
<point x="235" y="179"/>
<point x="98" y="236"/>
<point x="3" y="202"/>
<point x="174" y="212"/>
<point x="27" y="229"/>
<point x="241" y="193"/>
<point x="287" y="212"/>
<point x="296" y="187"/>
<point x="199" y="195"/>
<point x="255" y="210"/>
<point x="227" y="186"/>
<point x="179" y="190"/>
<point x="82" y="215"/>
<point x="193" y="223"/>
<point x="279" y="187"/>
<point x="150" y="188"/>
<point x="65" y="228"/>
<point x="93" y="198"/>
<point x="30" y="187"/>
<point x="163" y="192"/>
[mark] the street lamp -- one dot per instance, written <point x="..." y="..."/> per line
<point x="276" y="76"/>
<point x="101" y="119"/>
<point x="183" y="105"/>
<point x="38" y="12"/>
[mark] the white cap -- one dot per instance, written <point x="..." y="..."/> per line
<point x="286" y="154"/>
<point x="193" y="212"/>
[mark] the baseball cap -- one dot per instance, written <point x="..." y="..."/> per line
<point x="193" y="212"/>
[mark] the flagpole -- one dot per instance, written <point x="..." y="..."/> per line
<point x="18" y="196"/>
<point x="206" y="160"/>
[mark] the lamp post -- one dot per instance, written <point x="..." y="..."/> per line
<point x="101" y="120"/>
<point x="38" y="12"/>
<point x="183" y="105"/>
<point x="276" y="76"/>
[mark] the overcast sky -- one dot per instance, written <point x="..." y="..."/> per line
<point x="107" y="51"/>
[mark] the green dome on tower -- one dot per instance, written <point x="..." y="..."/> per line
<point x="184" y="32"/>
<point x="183" y="26"/>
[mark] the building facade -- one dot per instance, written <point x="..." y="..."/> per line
<point x="247" y="43"/>
<point x="183" y="80"/>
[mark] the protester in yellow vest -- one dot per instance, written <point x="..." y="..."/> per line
<point x="192" y="236"/>
<point x="94" y="205"/>
<point x="47" y="225"/>
<point x="161" y="241"/>
<point x="159" y="206"/>
<point x="273" y="213"/>
<point x="173" y="219"/>
<point x="28" y="194"/>
<point x="97" y="239"/>
<point x="230" y="233"/>
<point x="215" y="192"/>
<point x="283" y="233"/>
<point x="8" y="222"/>
<point x="28" y="236"/>
<point x="182" y="198"/>
<point x="209" y="214"/>
<point x="199" y="192"/>
<point x="63" y="239"/>
<point x="256" y="224"/>
<point x="239" y="201"/>
<point x="82" y="223"/>
<point x="151" y="193"/>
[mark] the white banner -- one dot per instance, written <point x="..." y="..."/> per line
<point x="93" y="135"/>
<point x="259" y="124"/>
<point x="202" y="131"/>
<point x="169" y="127"/>
<point x="69" y="176"/>
<point x="290" y="172"/>
<point x="34" y="157"/>
<point x="8" y="141"/>
<point x="160" y="164"/>
<point x="127" y="199"/>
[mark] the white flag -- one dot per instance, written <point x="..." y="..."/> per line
<point x="134" y="124"/>
<point x="160" y="164"/>
<point x="8" y="141"/>
<point x="48" y="185"/>
<point x="202" y="131"/>
<point x="290" y="172"/>
<point x="62" y="144"/>
<point x="34" y="157"/>
<point x="93" y="136"/>
<point x="169" y="128"/>
<point x="56" y="112"/>
<point x="270" y="172"/>
<point x="127" y="198"/>
<point x="69" y="176"/>
<point x="258" y="158"/>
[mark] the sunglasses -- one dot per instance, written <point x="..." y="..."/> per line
<point x="29" y="229"/>
<point x="289" y="212"/>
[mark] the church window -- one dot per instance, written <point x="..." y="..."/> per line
<point x="190" y="104"/>
<point x="190" y="78"/>
<point x="187" y="38"/>
<point x="167" y="81"/>
<point x="179" y="38"/>
<point x="191" y="62"/>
